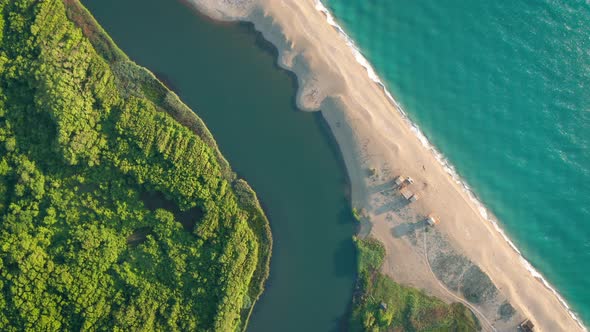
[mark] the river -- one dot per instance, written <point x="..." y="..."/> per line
<point x="228" y="74"/>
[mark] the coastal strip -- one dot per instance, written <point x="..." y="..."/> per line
<point x="448" y="167"/>
<point x="371" y="135"/>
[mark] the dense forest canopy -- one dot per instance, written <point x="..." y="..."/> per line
<point x="98" y="161"/>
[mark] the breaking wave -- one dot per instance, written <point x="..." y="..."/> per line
<point x="483" y="211"/>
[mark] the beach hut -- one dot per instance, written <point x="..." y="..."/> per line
<point x="401" y="181"/>
<point x="527" y="326"/>
<point x="406" y="193"/>
<point x="431" y="220"/>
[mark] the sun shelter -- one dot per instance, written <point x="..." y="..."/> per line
<point x="527" y="326"/>
<point x="406" y="193"/>
<point x="431" y="220"/>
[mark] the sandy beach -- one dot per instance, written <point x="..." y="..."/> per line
<point x="464" y="257"/>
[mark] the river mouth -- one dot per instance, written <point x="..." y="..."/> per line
<point x="228" y="75"/>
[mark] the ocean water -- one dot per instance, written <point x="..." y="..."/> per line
<point x="501" y="88"/>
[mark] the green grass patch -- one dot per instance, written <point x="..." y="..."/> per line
<point x="356" y="214"/>
<point x="370" y="255"/>
<point x="380" y="304"/>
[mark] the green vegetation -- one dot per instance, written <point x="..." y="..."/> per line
<point x="356" y="214"/>
<point x="380" y="304"/>
<point x="85" y="136"/>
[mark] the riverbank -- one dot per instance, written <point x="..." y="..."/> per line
<point x="167" y="101"/>
<point x="373" y="134"/>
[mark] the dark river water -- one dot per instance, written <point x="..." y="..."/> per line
<point x="227" y="73"/>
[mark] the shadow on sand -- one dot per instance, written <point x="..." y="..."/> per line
<point x="408" y="228"/>
<point x="393" y="205"/>
<point x="389" y="185"/>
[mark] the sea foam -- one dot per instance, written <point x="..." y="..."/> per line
<point x="450" y="169"/>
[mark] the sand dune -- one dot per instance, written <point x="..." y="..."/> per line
<point x="464" y="255"/>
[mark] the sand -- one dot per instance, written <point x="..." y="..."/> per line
<point x="463" y="254"/>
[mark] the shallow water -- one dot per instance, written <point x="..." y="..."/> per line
<point x="501" y="89"/>
<point x="228" y="75"/>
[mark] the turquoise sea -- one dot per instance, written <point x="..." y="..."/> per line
<point x="501" y="88"/>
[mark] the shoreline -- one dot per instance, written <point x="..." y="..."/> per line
<point x="180" y="112"/>
<point x="318" y="90"/>
<point x="449" y="168"/>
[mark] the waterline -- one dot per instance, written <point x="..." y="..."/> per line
<point x="449" y="168"/>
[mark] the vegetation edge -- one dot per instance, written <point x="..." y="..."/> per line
<point x="106" y="47"/>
